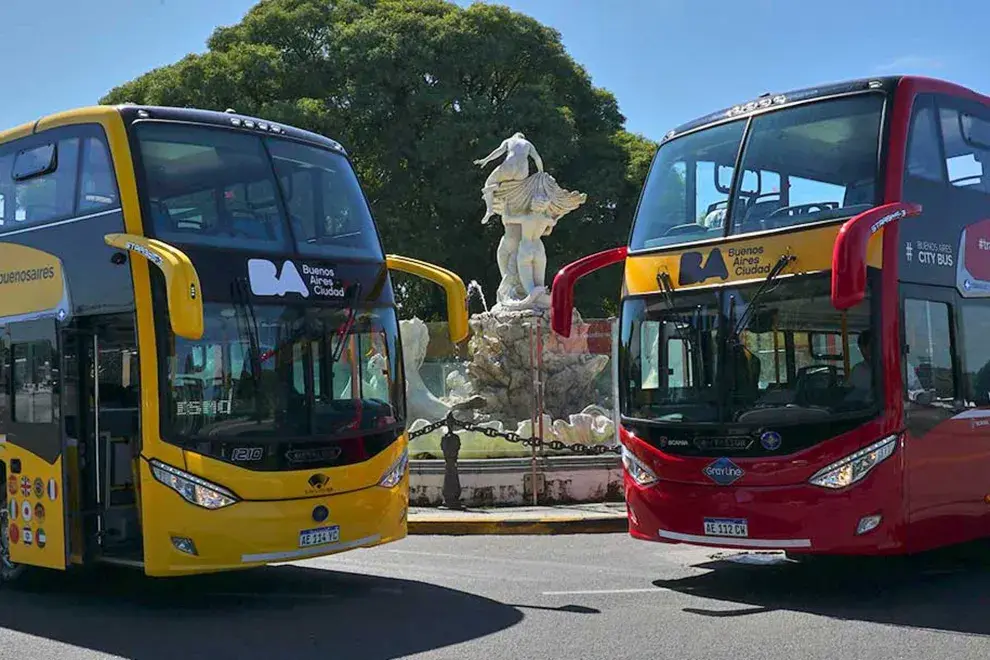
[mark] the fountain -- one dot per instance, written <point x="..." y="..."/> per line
<point x="473" y="288"/>
<point x="497" y="381"/>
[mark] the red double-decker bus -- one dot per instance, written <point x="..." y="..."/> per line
<point x="804" y="362"/>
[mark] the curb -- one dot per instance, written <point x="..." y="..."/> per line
<point x="508" y="526"/>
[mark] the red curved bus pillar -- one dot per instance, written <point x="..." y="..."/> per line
<point x="562" y="291"/>
<point x="849" y="252"/>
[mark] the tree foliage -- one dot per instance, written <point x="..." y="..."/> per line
<point x="416" y="90"/>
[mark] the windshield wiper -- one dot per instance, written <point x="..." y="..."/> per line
<point x="667" y="291"/>
<point x="730" y="342"/>
<point x="243" y="302"/>
<point x="782" y="263"/>
<point x="345" y="330"/>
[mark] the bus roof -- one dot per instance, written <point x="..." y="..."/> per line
<point x="131" y="113"/>
<point x="780" y="99"/>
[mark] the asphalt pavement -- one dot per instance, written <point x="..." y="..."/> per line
<point x="599" y="596"/>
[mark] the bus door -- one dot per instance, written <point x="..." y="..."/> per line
<point x="945" y="473"/>
<point x="33" y="445"/>
<point x="102" y="375"/>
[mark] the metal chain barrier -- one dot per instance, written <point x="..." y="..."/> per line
<point x="452" y="423"/>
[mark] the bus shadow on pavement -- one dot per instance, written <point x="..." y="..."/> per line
<point x="274" y="612"/>
<point x="942" y="590"/>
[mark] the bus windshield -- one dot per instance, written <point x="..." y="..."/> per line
<point x="792" y="358"/>
<point x="283" y="372"/>
<point x="807" y="163"/>
<point x="232" y="189"/>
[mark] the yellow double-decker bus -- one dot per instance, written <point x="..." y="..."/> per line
<point x="201" y="363"/>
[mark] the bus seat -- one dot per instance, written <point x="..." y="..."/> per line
<point x="758" y="212"/>
<point x="859" y="192"/>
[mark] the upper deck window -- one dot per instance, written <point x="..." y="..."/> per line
<point x="806" y="163"/>
<point x="56" y="175"/>
<point x="324" y="200"/>
<point x="211" y="186"/>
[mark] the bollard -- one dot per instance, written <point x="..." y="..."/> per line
<point x="450" y="444"/>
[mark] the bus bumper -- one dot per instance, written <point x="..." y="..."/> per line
<point x="797" y="518"/>
<point x="255" y="533"/>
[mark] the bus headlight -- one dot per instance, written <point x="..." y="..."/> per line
<point x="393" y="475"/>
<point x="193" y="489"/>
<point x="641" y="474"/>
<point x="854" y="467"/>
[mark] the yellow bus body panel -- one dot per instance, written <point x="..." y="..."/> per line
<point x="37" y="532"/>
<point x="746" y="259"/>
<point x="256" y="532"/>
<point x="36" y="285"/>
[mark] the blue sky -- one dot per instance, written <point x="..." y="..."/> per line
<point x="666" y="61"/>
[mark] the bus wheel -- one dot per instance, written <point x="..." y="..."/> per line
<point x="9" y="571"/>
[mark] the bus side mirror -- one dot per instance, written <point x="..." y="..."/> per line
<point x="562" y="291"/>
<point x="853" y="250"/>
<point x="453" y="286"/>
<point x="185" y="298"/>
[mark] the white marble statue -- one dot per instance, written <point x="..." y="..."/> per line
<point x="517" y="150"/>
<point x="530" y="206"/>
<point x="421" y="403"/>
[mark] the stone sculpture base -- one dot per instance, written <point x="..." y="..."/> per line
<point x="500" y="369"/>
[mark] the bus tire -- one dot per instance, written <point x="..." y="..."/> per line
<point x="9" y="571"/>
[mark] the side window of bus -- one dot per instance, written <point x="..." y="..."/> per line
<point x="975" y="350"/>
<point x="928" y="369"/>
<point x="924" y="154"/>
<point x="41" y="182"/>
<point x="97" y="184"/>
<point x="967" y="148"/>
<point x="33" y="383"/>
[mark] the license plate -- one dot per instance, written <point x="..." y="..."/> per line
<point x="726" y="527"/>
<point x="319" y="536"/>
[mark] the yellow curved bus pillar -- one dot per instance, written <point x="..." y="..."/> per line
<point x="457" y="305"/>
<point x="185" y="300"/>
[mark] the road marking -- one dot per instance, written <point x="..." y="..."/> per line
<point x="511" y="560"/>
<point x="603" y="591"/>
<point x="266" y="596"/>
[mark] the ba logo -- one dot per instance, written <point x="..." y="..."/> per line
<point x="266" y="280"/>
<point x="694" y="270"/>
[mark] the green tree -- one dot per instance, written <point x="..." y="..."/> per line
<point x="416" y="90"/>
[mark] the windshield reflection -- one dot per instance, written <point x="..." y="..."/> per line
<point x="273" y="370"/>
<point x="714" y="356"/>
<point x="802" y="164"/>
